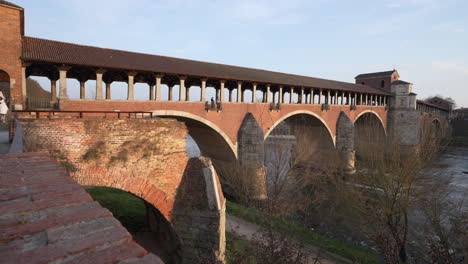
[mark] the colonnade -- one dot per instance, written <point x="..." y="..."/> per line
<point x="304" y="95"/>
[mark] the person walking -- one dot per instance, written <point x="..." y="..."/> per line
<point x="3" y="108"/>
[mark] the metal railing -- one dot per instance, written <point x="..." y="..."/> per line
<point x="81" y="114"/>
<point x="36" y="103"/>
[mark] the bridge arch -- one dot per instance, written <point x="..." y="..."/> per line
<point x="375" y="114"/>
<point x="369" y="133"/>
<point x="219" y="137"/>
<point x="302" y="112"/>
<point x="148" y="226"/>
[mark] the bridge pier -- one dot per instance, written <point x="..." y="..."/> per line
<point x="250" y="151"/>
<point x="147" y="158"/>
<point x="345" y="143"/>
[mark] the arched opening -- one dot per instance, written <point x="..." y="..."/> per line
<point x="208" y="139"/>
<point x="5" y="86"/>
<point x="436" y="131"/>
<point x="369" y="133"/>
<point x="144" y="222"/>
<point x="301" y="139"/>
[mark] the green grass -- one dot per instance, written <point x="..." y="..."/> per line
<point x="344" y="249"/>
<point x="236" y="247"/>
<point x="127" y="208"/>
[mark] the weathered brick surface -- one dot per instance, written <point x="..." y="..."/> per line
<point x="229" y="120"/>
<point x="55" y="219"/>
<point x="146" y="157"/>
<point x="11" y="20"/>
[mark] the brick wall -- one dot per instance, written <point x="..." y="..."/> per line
<point x="11" y="20"/>
<point x="146" y="157"/>
<point x="143" y="156"/>
<point x="229" y="120"/>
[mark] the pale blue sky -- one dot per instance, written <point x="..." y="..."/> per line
<point x="425" y="40"/>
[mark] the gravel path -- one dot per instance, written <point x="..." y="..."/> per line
<point x="248" y="230"/>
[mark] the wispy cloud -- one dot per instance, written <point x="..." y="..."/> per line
<point x="450" y="66"/>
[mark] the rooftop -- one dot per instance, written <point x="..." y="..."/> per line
<point x="376" y="74"/>
<point x="43" y="50"/>
<point x="6" y="3"/>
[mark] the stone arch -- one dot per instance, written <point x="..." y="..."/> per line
<point x="218" y="146"/>
<point x="159" y="235"/>
<point x="369" y="132"/>
<point x="376" y="115"/>
<point x="5" y="84"/>
<point x="303" y="112"/>
<point x="436" y="127"/>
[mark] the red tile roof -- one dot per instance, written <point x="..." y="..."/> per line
<point x="46" y="217"/>
<point x="6" y="3"/>
<point x="376" y="74"/>
<point x="35" y="49"/>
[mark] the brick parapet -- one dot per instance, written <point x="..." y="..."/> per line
<point x="46" y="217"/>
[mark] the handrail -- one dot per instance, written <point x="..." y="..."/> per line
<point x="81" y="114"/>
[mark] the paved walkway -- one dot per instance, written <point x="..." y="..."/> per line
<point x="4" y="140"/>
<point x="45" y="217"/>
<point x="248" y="231"/>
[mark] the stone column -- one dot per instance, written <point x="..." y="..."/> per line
<point x="254" y="93"/>
<point x="187" y="93"/>
<point x="151" y="92"/>
<point x="82" y="90"/>
<point x="108" y="91"/>
<point x="158" y="86"/>
<point x="131" y="87"/>
<point x="280" y="100"/>
<point x="320" y="97"/>
<point x="231" y="92"/>
<point x="203" y="90"/>
<point x="63" y="82"/>
<point x="302" y="96"/>
<point x="328" y="97"/>
<point x="23" y="83"/>
<point x="182" y="88"/>
<point x="239" y="91"/>
<point x="360" y="99"/>
<point x="367" y="100"/>
<point x="349" y="98"/>
<point x="53" y="90"/>
<point x="291" y="95"/>
<point x="221" y="90"/>
<point x="99" y="74"/>
<point x="268" y="93"/>
<point x="170" y="92"/>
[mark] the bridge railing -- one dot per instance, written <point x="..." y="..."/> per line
<point x="81" y="114"/>
<point x="213" y="106"/>
<point x="38" y="103"/>
<point x="275" y="106"/>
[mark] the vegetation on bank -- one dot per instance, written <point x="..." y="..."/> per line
<point x="459" y="141"/>
<point x="344" y="249"/>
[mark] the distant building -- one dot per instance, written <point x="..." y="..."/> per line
<point x="460" y="122"/>
<point x="440" y="102"/>
<point x="379" y="80"/>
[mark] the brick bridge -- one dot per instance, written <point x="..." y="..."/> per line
<point x="244" y="106"/>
